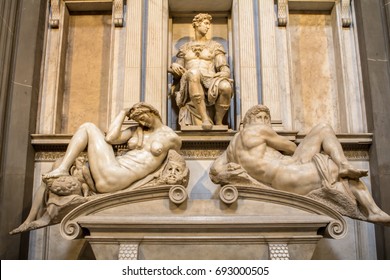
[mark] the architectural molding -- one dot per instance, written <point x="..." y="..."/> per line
<point x="196" y="146"/>
<point x="282" y="12"/>
<point x="54" y="20"/>
<point x="278" y="252"/>
<point x="346" y="13"/>
<point x="118" y="13"/>
<point x="143" y="215"/>
<point x="128" y="251"/>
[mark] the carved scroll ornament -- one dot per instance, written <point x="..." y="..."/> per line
<point x="282" y="12"/>
<point x="54" y="20"/>
<point x="346" y="13"/>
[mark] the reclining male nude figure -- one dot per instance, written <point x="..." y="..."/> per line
<point x="278" y="162"/>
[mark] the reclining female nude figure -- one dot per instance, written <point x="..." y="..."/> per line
<point x="112" y="173"/>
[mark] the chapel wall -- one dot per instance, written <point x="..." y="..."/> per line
<point x="306" y="70"/>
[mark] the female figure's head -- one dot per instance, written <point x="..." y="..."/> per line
<point x="144" y="114"/>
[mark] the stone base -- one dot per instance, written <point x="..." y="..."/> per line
<point x="260" y="224"/>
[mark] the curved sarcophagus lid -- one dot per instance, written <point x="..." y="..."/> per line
<point x="165" y="212"/>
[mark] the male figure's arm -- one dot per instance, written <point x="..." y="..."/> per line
<point x="177" y="68"/>
<point x="221" y="64"/>
<point x="280" y="143"/>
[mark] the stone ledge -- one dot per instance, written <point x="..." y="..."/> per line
<point x="200" y="145"/>
<point x="51" y="141"/>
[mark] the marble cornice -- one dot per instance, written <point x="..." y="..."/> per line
<point x="198" y="145"/>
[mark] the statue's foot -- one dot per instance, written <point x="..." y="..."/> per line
<point x="347" y="171"/>
<point x="56" y="173"/>
<point x="22" y="228"/>
<point x="30" y="226"/>
<point x="381" y="218"/>
<point x="207" y="125"/>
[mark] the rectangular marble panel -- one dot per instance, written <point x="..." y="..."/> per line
<point x="87" y="71"/>
<point x="314" y="77"/>
<point x="203" y="251"/>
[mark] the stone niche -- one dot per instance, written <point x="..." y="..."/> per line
<point x="318" y="42"/>
<point x="181" y="31"/>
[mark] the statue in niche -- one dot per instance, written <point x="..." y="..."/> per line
<point x="202" y="81"/>
<point x="148" y="162"/>
<point x="317" y="168"/>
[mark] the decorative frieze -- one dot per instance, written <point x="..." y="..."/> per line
<point x="356" y="154"/>
<point x="52" y="147"/>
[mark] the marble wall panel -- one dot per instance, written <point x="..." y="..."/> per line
<point x="203" y="251"/>
<point x="86" y="71"/>
<point x="314" y="79"/>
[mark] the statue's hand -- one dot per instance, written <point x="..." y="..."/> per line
<point x="231" y="166"/>
<point x="127" y="110"/>
<point x="177" y="69"/>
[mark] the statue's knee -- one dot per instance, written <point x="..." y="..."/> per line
<point x="88" y="125"/>
<point x="225" y="88"/>
<point x="322" y="125"/>
<point x="197" y="98"/>
<point x="193" y="75"/>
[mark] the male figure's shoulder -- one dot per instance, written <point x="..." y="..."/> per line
<point x="216" y="46"/>
<point x="183" y="48"/>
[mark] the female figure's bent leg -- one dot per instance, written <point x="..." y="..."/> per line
<point x="100" y="153"/>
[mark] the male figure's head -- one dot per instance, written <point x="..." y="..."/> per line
<point x="201" y="23"/>
<point x="258" y="114"/>
<point x="144" y="114"/>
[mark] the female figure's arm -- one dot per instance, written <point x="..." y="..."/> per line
<point x="115" y="135"/>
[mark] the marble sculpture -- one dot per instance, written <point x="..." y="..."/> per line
<point x="152" y="160"/>
<point x="257" y="156"/>
<point x="201" y="79"/>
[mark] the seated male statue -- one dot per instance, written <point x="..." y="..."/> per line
<point x="204" y="75"/>
<point x="149" y="148"/>
<point x="277" y="162"/>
